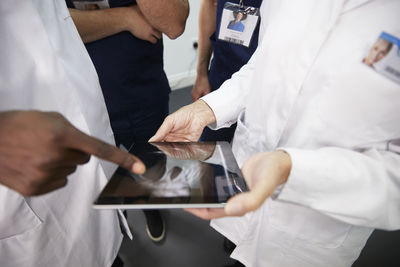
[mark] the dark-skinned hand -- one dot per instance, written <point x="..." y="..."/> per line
<point x="38" y="150"/>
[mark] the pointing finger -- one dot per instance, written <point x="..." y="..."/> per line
<point x="80" y="141"/>
<point x="163" y="131"/>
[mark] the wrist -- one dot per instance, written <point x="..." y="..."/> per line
<point x="201" y="75"/>
<point x="208" y="116"/>
<point x="123" y="17"/>
<point x="284" y="165"/>
<point x="202" y="68"/>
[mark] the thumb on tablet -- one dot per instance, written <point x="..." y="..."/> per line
<point x="93" y="146"/>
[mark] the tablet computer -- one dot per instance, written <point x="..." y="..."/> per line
<point x="178" y="175"/>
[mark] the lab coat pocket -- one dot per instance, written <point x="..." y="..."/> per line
<point x="17" y="218"/>
<point x="306" y="226"/>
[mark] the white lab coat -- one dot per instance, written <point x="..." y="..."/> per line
<point x="306" y="90"/>
<point x="44" y="66"/>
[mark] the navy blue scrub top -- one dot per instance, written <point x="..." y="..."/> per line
<point x="228" y="58"/>
<point x="130" y="70"/>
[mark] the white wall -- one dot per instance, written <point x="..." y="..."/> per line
<point x="180" y="58"/>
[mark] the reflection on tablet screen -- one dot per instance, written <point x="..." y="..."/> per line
<point x="177" y="174"/>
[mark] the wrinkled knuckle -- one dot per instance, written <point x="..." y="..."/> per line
<point x="58" y="127"/>
<point x="169" y="119"/>
<point x="103" y="150"/>
<point x="56" y="134"/>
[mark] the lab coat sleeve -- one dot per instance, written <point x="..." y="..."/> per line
<point x="229" y="100"/>
<point x="359" y="188"/>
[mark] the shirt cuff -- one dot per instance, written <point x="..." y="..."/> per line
<point x="219" y="103"/>
<point x="215" y="157"/>
<point x="300" y="187"/>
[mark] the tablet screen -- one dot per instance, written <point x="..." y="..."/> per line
<point x="178" y="175"/>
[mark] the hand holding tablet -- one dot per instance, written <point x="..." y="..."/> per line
<point x="264" y="172"/>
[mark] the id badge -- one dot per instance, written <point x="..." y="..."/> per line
<point x="238" y="23"/>
<point x="90" y="4"/>
<point x="384" y="56"/>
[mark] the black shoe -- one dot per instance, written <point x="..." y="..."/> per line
<point x="229" y="246"/>
<point x="235" y="264"/>
<point x="118" y="262"/>
<point x="155" y="226"/>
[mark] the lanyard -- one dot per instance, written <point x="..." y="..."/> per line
<point x="241" y="5"/>
<point x="242" y="8"/>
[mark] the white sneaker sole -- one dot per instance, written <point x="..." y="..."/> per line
<point x="156" y="239"/>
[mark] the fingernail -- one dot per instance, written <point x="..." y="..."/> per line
<point x="234" y="209"/>
<point x="152" y="138"/>
<point x="138" y="168"/>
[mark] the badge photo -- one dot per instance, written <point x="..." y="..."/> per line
<point x="238" y="23"/>
<point x="384" y="56"/>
